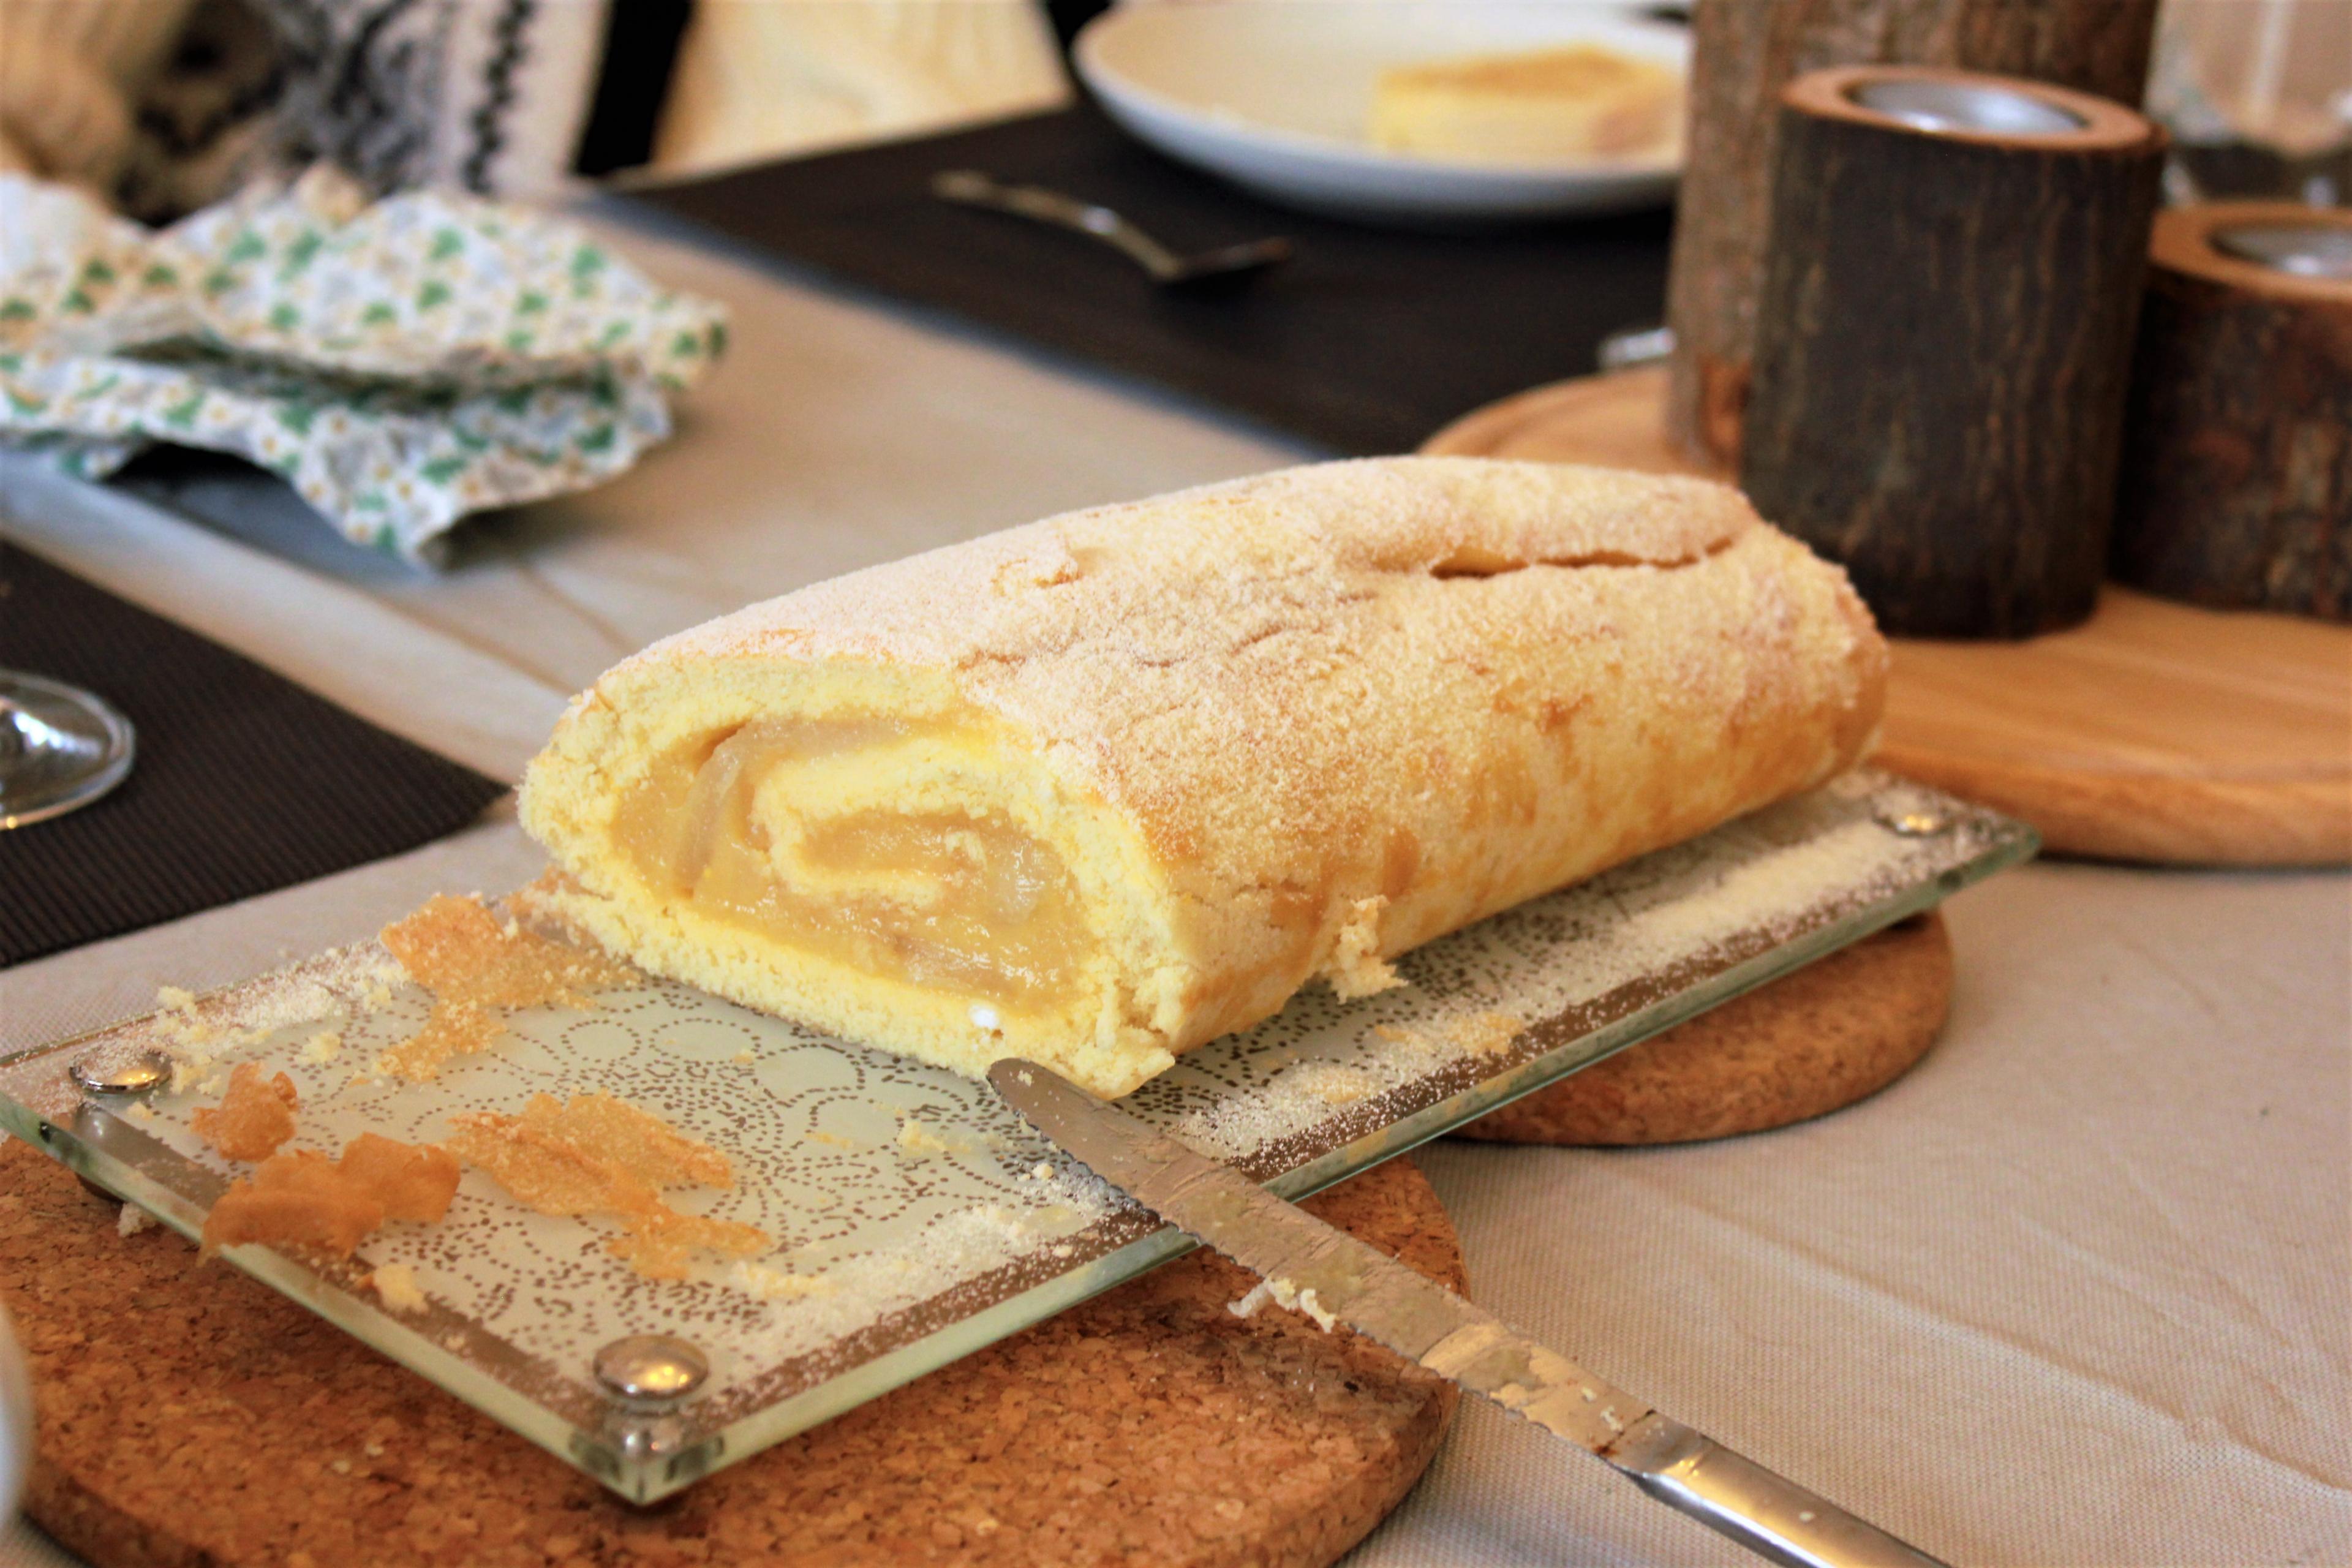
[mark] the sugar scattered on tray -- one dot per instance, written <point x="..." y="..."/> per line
<point x="868" y="1287"/>
<point x="1651" y="928"/>
<point x="770" y="1283"/>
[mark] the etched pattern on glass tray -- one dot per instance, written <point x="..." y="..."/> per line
<point x="914" y="1216"/>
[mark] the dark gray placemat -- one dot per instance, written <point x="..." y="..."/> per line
<point x="244" y="782"/>
<point x="1366" y="342"/>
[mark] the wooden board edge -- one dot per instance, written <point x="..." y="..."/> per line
<point x="2174" y="820"/>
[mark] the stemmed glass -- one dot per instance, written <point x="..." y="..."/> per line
<point x="60" y="747"/>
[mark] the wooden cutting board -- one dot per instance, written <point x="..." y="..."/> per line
<point x="2155" y="731"/>
<point x="188" y="1415"/>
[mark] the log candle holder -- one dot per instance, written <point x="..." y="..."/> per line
<point x="1743" y="52"/>
<point x="1944" y="337"/>
<point x="2237" y="470"/>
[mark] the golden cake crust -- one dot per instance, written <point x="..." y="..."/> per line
<point x="1339" y="710"/>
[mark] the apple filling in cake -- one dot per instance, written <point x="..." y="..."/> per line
<point x="967" y="902"/>
<point x="790" y="847"/>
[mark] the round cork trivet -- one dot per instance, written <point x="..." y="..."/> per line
<point x="1840" y="1028"/>
<point x="188" y="1416"/>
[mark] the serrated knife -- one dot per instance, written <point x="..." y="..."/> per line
<point x="1333" y="1276"/>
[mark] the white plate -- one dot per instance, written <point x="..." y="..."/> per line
<point x="1274" y="95"/>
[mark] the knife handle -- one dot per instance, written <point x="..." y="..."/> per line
<point x="1772" y="1517"/>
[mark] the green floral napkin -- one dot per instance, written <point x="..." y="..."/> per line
<point x="401" y="363"/>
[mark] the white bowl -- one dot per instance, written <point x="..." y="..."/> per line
<point x="15" y="1422"/>
<point x="1273" y="95"/>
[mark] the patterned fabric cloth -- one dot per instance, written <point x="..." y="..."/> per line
<point x="400" y="364"/>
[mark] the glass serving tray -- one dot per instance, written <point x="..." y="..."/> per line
<point x="916" y="1217"/>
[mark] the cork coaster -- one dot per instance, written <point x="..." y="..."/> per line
<point x="188" y="1416"/>
<point x="1835" y="1031"/>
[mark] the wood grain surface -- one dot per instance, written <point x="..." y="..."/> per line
<point x="2237" y="469"/>
<point x="1836" y="1031"/>
<point x="2156" y="731"/>
<point x="1742" y="52"/>
<point x="1943" y="346"/>
<point x="189" y="1417"/>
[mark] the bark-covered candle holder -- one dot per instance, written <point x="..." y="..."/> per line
<point x="1944" y="340"/>
<point x="2237" y="467"/>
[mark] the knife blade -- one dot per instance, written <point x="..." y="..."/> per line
<point x="1333" y="1276"/>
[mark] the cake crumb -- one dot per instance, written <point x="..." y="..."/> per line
<point x="395" y="1287"/>
<point x="917" y="1139"/>
<point x="140" y="1110"/>
<point x="744" y="1057"/>
<point x="833" y="1139"/>
<point x="452" y="1029"/>
<point x="133" y="1220"/>
<point x="661" y="1242"/>
<point x="1283" y="1293"/>
<point x="254" y="1119"/>
<point x="1355" y="968"/>
<point x="412" y="1180"/>
<point x="322" y="1048"/>
<point x="474" y="961"/>
<point x="601" y="1157"/>
<point x="174" y="998"/>
<point x="303" y="1197"/>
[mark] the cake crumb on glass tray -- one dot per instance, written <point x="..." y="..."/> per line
<point x="253" y="1119"/>
<point x="478" y="965"/>
<point x="900" y="1216"/>
<point x="305" y="1198"/>
<point x="603" y="1158"/>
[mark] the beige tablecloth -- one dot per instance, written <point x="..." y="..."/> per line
<point x="2078" y="1291"/>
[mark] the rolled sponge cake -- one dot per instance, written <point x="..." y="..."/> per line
<point x="1098" y="790"/>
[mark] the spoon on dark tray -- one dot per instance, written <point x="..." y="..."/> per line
<point x="1224" y="268"/>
